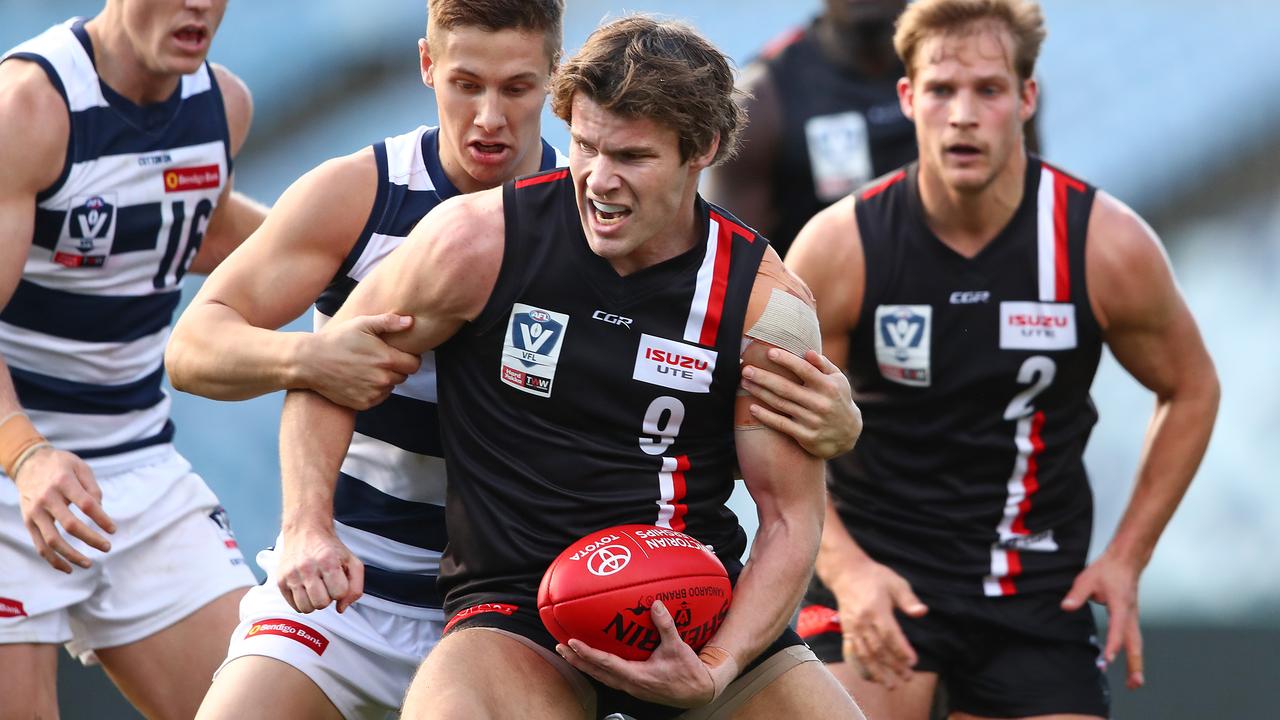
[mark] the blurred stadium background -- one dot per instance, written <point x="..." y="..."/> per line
<point x="1171" y="105"/>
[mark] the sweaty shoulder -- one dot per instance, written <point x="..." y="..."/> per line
<point x="239" y="104"/>
<point x="36" y="126"/>
<point x="1124" y="261"/>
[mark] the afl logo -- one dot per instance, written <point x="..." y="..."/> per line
<point x="539" y="315"/>
<point x="608" y="560"/>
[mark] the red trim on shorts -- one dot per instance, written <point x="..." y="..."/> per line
<point x="817" y="620"/>
<point x="465" y="613"/>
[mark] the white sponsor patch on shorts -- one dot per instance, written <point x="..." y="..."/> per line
<point x="677" y="365"/>
<point x="902" y="343"/>
<point x="531" y="348"/>
<point x="1037" y="326"/>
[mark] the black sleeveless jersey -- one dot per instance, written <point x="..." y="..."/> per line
<point x="840" y="129"/>
<point x="973" y="378"/>
<point x="579" y="399"/>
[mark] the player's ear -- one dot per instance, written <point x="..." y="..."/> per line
<point x="704" y="159"/>
<point x="424" y="59"/>
<point x="906" y="97"/>
<point x="1029" y="99"/>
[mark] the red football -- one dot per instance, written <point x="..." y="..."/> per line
<point x="600" y="588"/>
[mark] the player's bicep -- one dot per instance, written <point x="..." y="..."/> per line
<point x="275" y="275"/>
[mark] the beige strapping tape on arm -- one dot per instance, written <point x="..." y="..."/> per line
<point x="789" y="323"/>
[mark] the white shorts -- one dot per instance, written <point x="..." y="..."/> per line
<point x="363" y="659"/>
<point x="172" y="554"/>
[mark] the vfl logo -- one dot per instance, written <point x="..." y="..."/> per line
<point x="532" y="348"/>
<point x="89" y="233"/>
<point x="902" y="343"/>
<point x="91" y="220"/>
<point x="903" y="331"/>
<point x="608" y="560"/>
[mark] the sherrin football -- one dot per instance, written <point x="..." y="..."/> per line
<point x="599" y="590"/>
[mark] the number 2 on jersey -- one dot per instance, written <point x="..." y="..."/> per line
<point x="1037" y="371"/>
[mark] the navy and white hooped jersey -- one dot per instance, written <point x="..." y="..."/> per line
<point x="973" y="377"/>
<point x="85" y="330"/>
<point x="388" y="504"/>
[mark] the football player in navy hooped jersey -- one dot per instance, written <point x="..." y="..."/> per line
<point x="117" y="144"/>
<point x="969" y="297"/>
<point x="553" y="425"/>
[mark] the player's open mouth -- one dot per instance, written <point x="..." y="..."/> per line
<point x="191" y="36"/>
<point x="607" y="214"/>
<point x="964" y="151"/>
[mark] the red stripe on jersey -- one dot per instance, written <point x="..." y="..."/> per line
<point x="1030" y="479"/>
<point x="679" y="491"/>
<point x="560" y="174"/>
<point x="872" y="192"/>
<point x="1061" y="265"/>
<point x="1015" y="569"/>
<point x="719" y="281"/>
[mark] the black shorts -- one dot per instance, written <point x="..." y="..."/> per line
<point x="523" y="620"/>
<point x="1009" y="656"/>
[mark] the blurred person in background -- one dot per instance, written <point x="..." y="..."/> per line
<point x="118" y="143"/>
<point x="354" y="570"/>
<point x="969" y="296"/>
<point x="824" y="119"/>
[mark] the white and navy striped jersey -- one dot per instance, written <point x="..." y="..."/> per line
<point x="388" y="504"/>
<point x="84" y="332"/>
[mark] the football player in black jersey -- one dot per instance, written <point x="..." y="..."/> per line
<point x="968" y="296"/>
<point x="543" y="398"/>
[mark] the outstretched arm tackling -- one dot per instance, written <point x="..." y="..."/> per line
<point x="441" y="277"/>
<point x="1151" y="332"/>
<point x="225" y="347"/>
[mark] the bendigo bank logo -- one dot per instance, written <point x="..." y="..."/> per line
<point x="292" y="630"/>
<point x="183" y="179"/>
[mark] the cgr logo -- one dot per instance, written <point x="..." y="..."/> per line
<point x="608" y="560"/>
<point x="612" y="319"/>
<point x="969" y="297"/>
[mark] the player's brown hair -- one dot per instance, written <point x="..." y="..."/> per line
<point x="637" y="66"/>
<point x="544" y="16"/>
<point x="924" y="18"/>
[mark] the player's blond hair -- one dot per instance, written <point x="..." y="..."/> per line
<point x="665" y="71"/>
<point x="925" y="18"/>
<point x="544" y="16"/>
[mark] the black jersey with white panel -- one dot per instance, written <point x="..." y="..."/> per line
<point x="973" y="378"/>
<point x="840" y="129"/>
<point x="580" y="399"/>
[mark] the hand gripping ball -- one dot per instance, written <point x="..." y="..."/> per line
<point x="599" y="590"/>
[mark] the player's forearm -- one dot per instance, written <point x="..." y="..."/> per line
<point x="314" y="436"/>
<point x="839" y="556"/>
<point x="770" y="585"/>
<point x="215" y="353"/>
<point x="1176" y="441"/>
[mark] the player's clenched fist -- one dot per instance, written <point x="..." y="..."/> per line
<point x="315" y="569"/>
<point x="49" y="482"/>
<point x="873" y="640"/>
